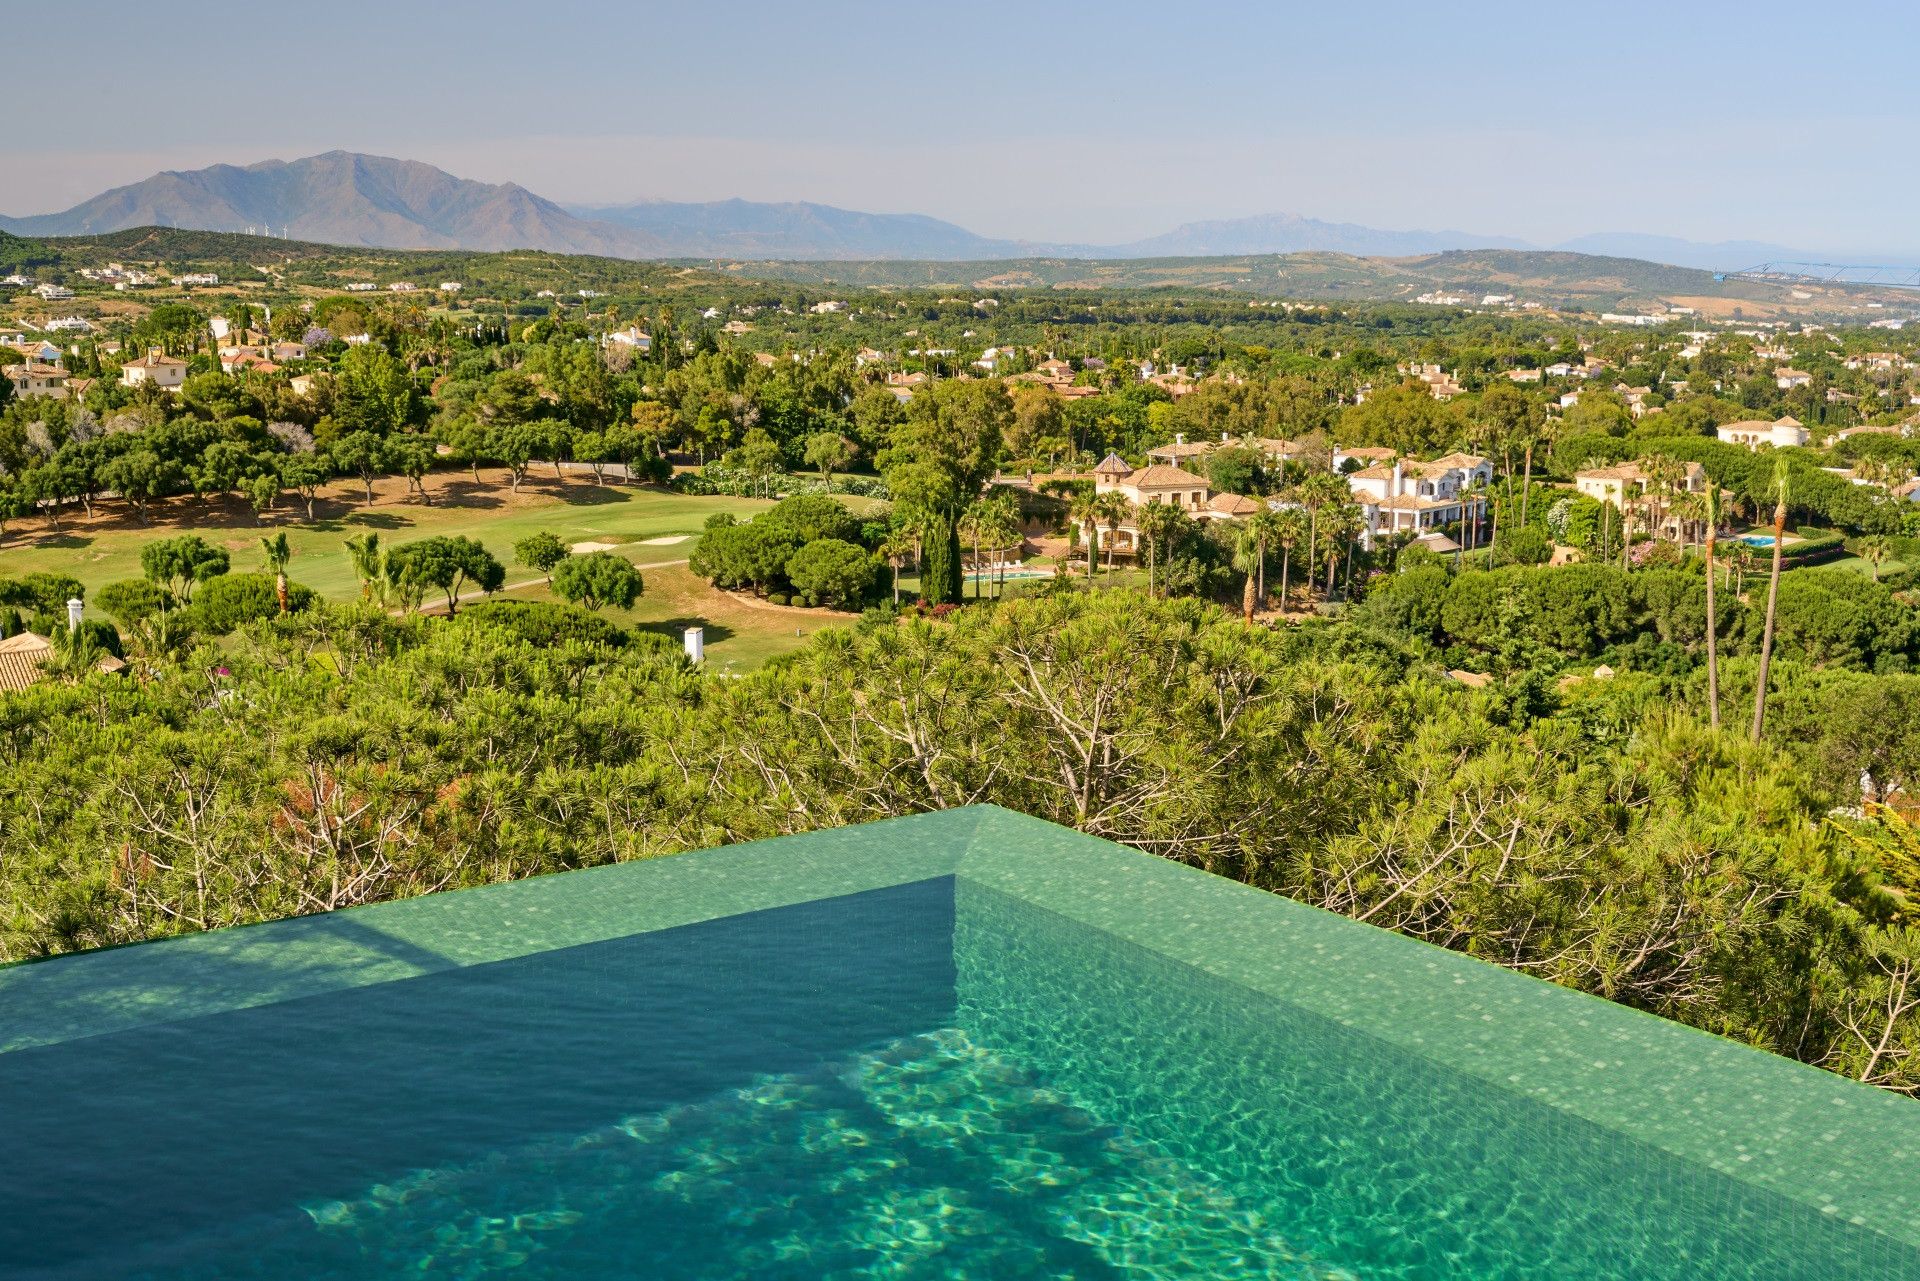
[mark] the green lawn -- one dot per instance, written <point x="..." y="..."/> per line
<point x="108" y="548"/>
<point x="740" y="636"/>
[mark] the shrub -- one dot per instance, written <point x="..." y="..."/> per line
<point x="234" y="600"/>
<point x="597" y="579"/>
<point x="544" y="623"/>
<point x="777" y="598"/>
<point x="832" y="571"/>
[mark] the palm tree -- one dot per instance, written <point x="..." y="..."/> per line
<point x="1265" y="524"/>
<point x="1004" y="529"/>
<point x="901" y="543"/>
<point x="1773" y="597"/>
<point x="1712" y="504"/>
<point x="1874" y="551"/>
<point x="1289" y="526"/>
<point x="278" y="553"/>
<point x="973" y="527"/>
<point x="1160" y="526"/>
<point x="1113" y="510"/>
<point x="1246" y="559"/>
<point x="369" y="564"/>
<point x="1083" y="510"/>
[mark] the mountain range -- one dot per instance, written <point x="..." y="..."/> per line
<point x="346" y="198"/>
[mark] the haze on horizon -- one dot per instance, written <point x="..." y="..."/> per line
<point x="1085" y="124"/>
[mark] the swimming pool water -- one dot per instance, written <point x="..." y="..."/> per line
<point x="931" y="1079"/>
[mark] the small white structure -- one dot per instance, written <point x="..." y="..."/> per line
<point x="696" y="643"/>
<point x="1781" y="433"/>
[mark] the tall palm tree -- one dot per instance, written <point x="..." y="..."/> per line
<point x="278" y="553"/>
<point x="1114" y="510"/>
<point x="1004" y="529"/>
<point x="1083" y="510"/>
<point x="1160" y="526"/>
<point x="1266" y="526"/>
<point x="1773" y="597"/>
<point x="1246" y="559"/>
<point x="1712" y="504"/>
<point x="1289" y="528"/>
<point x="899" y="547"/>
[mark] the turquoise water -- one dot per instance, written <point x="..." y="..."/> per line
<point x="928" y="1081"/>
<point x="1757" y="540"/>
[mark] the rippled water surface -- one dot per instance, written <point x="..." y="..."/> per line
<point x="918" y="1082"/>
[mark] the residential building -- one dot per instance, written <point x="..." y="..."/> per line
<point x="23" y="659"/>
<point x="202" y="278"/>
<point x="53" y="293"/>
<point x="155" y="369"/>
<point x="1628" y="481"/>
<point x="827" y="308"/>
<point x="632" y="336"/>
<point x="36" y="349"/>
<point x="1420" y="496"/>
<point x="1754" y="433"/>
<point x="69" y="324"/>
<point x="33" y="379"/>
<point x="304" y="384"/>
<point x="367" y="287"/>
<point x="1786" y="379"/>
<point x="450" y="286"/>
<point x="1154" y="483"/>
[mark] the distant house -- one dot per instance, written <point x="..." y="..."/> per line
<point x="23" y="660"/>
<point x="304" y="384"/>
<point x="736" y="327"/>
<point x="155" y="369"/>
<point x="1524" y="375"/>
<point x="632" y="336"/>
<point x="1620" y="484"/>
<point x="402" y="287"/>
<point x="53" y="293"/>
<point x="1781" y="433"/>
<point x="827" y="308"/>
<point x="201" y="278"/>
<point x="450" y="286"/>
<point x="69" y="324"/>
<point x="1786" y="379"/>
<point x="1141" y="486"/>
<point x="1420" y="496"/>
<point x="36" y="349"/>
<point x="1362" y="455"/>
<point x="33" y="379"/>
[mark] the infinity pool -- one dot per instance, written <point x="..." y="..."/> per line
<point x="962" y="1045"/>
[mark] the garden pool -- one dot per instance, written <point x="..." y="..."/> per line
<point x="961" y="1045"/>
<point x="1756" y="540"/>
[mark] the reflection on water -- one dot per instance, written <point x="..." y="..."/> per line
<point x="927" y="1081"/>
<point x="1380" y="1162"/>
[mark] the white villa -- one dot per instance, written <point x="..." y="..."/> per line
<point x="34" y="379"/>
<point x="632" y="336"/>
<point x="155" y="369"/>
<point x="1616" y="484"/>
<point x="1754" y="433"/>
<point x="1419" y="496"/>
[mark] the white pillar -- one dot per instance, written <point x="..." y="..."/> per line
<point x="73" y="614"/>
<point x="696" y="643"/>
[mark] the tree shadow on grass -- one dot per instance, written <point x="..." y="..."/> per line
<point x="674" y="629"/>
<point x="59" y="540"/>
<point x="591" y="496"/>
<point x="369" y="520"/>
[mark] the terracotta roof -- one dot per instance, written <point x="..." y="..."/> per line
<point x="22" y="657"/>
<point x="1113" y="465"/>
<point x="1233" y="505"/>
<point x="1160" y="476"/>
<point x="1182" y="449"/>
<point x="1369" y="451"/>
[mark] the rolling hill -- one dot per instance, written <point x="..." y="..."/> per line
<point x="346" y="198"/>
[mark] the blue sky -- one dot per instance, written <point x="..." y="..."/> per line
<point x="1052" y="122"/>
